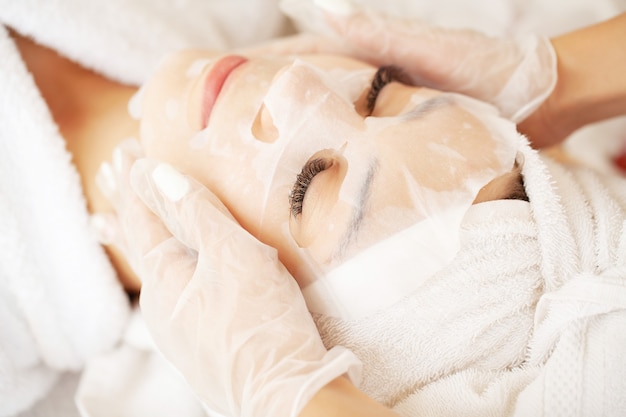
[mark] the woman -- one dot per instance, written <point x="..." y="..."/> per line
<point x="366" y="164"/>
<point x="351" y="193"/>
<point x="66" y="122"/>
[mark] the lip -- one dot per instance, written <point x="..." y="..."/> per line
<point x="214" y="81"/>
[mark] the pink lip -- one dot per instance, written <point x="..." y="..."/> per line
<point x="214" y="82"/>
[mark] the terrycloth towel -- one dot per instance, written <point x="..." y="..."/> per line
<point x="526" y="321"/>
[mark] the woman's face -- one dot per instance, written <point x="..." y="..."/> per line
<point x="306" y="161"/>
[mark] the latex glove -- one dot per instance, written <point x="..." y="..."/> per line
<point x="112" y="180"/>
<point x="218" y="303"/>
<point x="516" y="75"/>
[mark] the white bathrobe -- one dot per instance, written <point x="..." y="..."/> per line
<point x="60" y="302"/>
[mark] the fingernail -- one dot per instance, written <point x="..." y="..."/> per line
<point x="132" y="146"/>
<point x="170" y="182"/>
<point x="336" y="7"/>
<point x="105" y="179"/>
<point x="103" y="228"/>
<point x="117" y="159"/>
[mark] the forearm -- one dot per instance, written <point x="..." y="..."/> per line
<point x="340" y="398"/>
<point x="592" y="64"/>
<point x="591" y="85"/>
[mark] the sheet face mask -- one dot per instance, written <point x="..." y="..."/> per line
<point x="382" y="274"/>
<point x="402" y="243"/>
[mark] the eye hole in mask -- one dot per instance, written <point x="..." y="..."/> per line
<point x="315" y="194"/>
<point x="385" y="75"/>
<point x="309" y="171"/>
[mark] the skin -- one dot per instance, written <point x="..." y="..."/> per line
<point x="590" y="83"/>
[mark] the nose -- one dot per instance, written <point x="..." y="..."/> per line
<point x="263" y="128"/>
<point x="300" y="97"/>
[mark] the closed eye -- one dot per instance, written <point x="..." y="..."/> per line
<point x="309" y="171"/>
<point x="384" y="75"/>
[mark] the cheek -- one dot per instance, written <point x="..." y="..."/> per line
<point x="161" y="147"/>
<point x="327" y="242"/>
<point x="166" y="126"/>
<point x="166" y="134"/>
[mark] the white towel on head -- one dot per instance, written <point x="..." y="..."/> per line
<point x="524" y="322"/>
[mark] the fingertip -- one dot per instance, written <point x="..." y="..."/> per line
<point x="117" y="159"/>
<point x="105" y="180"/>
<point x="104" y="228"/>
<point x="132" y="146"/>
<point x="171" y="183"/>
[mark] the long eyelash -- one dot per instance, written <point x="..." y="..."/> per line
<point x="384" y="76"/>
<point x="310" y="170"/>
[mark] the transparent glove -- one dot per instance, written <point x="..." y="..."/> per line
<point x="515" y="75"/>
<point x="218" y="303"/>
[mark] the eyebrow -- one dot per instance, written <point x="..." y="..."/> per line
<point x="357" y="218"/>
<point x="428" y="106"/>
<point x="420" y="110"/>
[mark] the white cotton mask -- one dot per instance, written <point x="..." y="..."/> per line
<point x="403" y="179"/>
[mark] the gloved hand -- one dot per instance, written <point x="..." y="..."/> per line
<point x="515" y="75"/>
<point x="218" y="303"/>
